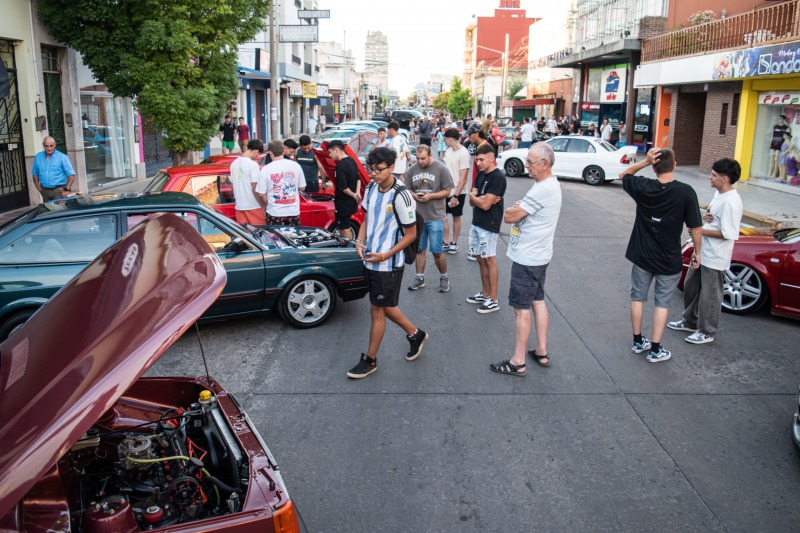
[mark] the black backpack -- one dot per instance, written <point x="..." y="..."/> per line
<point x="412" y="249"/>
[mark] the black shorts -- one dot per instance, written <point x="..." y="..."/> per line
<point x="342" y="220"/>
<point x="426" y="141"/>
<point x="458" y="210"/>
<point x="527" y="285"/>
<point x="283" y="221"/>
<point x="384" y="287"/>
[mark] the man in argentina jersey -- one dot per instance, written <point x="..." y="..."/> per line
<point x="380" y="244"/>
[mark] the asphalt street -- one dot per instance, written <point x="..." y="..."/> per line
<point x="600" y="441"/>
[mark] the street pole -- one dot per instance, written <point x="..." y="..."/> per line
<point x="273" y="73"/>
<point x="504" y="81"/>
<point x="344" y="75"/>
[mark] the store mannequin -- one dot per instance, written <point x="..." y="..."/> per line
<point x="783" y="158"/>
<point x="775" y="146"/>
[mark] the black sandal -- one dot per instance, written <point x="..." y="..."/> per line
<point x="505" y="367"/>
<point x="538" y="358"/>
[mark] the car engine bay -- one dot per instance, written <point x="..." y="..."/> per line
<point x="281" y="237"/>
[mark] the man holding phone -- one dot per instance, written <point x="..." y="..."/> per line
<point x="431" y="183"/>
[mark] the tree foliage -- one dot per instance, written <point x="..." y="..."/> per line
<point x="515" y="86"/>
<point x="441" y="100"/>
<point x="460" y="101"/>
<point x="176" y="58"/>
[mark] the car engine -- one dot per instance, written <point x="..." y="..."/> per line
<point x="183" y="467"/>
<point x="307" y="238"/>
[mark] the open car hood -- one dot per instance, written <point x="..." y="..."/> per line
<point x="85" y="347"/>
<point x="330" y="165"/>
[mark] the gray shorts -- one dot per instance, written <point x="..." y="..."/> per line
<point x="665" y="286"/>
<point x="527" y="285"/>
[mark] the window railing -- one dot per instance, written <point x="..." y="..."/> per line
<point x="769" y="24"/>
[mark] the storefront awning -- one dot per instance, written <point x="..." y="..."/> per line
<point x="252" y="74"/>
<point x="534" y="102"/>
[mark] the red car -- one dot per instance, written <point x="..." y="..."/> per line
<point x="91" y="446"/>
<point x="210" y="183"/>
<point x="764" y="266"/>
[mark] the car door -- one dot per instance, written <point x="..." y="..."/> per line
<point x="42" y="256"/>
<point x="214" y="190"/>
<point x="788" y="298"/>
<point x="559" y="146"/>
<point x="244" y="291"/>
<point x="578" y="156"/>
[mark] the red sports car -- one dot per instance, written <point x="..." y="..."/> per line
<point x="90" y="446"/>
<point x="210" y="183"/>
<point x="764" y="266"/>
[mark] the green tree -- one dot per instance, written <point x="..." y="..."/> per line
<point x="515" y="86"/>
<point x="176" y="59"/>
<point x="441" y="100"/>
<point x="460" y="101"/>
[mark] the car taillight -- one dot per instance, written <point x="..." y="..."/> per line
<point x="625" y="160"/>
<point x="286" y="520"/>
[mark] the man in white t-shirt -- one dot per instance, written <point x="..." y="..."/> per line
<point x="458" y="162"/>
<point x="526" y="133"/>
<point x="280" y="186"/>
<point x="606" y="130"/>
<point x="534" y="220"/>
<point x="703" y="287"/>
<point x="245" y="176"/>
<point x="552" y="125"/>
<point x="400" y="146"/>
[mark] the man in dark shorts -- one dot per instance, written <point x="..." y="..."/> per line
<point x="312" y="168"/>
<point x="663" y="207"/>
<point x="530" y="247"/>
<point x="381" y="243"/>
<point x="348" y="188"/>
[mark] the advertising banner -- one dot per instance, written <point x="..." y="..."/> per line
<point x="779" y="98"/>
<point x="612" y="86"/>
<point x="309" y="90"/>
<point x="781" y="58"/>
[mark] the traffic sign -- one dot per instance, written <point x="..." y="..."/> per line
<point x="313" y="13"/>
<point x="300" y="33"/>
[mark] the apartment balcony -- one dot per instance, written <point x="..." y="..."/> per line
<point x="768" y="25"/>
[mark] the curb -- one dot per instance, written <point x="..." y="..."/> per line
<point x="752" y="219"/>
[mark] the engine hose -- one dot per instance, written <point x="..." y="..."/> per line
<point x="216" y="489"/>
<point x="157" y="460"/>
<point x="224" y="487"/>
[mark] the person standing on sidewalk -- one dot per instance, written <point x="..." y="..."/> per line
<point x="702" y="289"/>
<point x="227" y="134"/>
<point x="534" y="220"/>
<point x="243" y="131"/>
<point x="458" y="161"/>
<point x="348" y="188"/>
<point x="526" y="133"/>
<point x="425" y="131"/>
<point x="663" y="207"/>
<point x="52" y="172"/>
<point x="245" y="177"/>
<point x="487" y="215"/>
<point x="431" y="183"/>
<point x="312" y="168"/>
<point x="381" y="244"/>
<point x="400" y="146"/>
<point x="280" y="186"/>
<point x="606" y="130"/>
<point x="380" y="140"/>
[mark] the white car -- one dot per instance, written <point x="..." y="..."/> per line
<point x="589" y="158"/>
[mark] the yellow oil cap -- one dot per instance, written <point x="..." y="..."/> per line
<point x="205" y="395"/>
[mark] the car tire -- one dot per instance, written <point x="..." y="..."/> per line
<point x="14" y="322"/>
<point x="308" y="302"/>
<point x="594" y="175"/>
<point x="354" y="227"/>
<point x="513" y="168"/>
<point x="743" y="290"/>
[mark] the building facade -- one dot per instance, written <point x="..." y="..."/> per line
<point x="339" y="77"/>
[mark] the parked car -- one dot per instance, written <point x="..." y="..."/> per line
<point x="296" y="271"/>
<point x="765" y="266"/>
<point x="403" y="116"/>
<point x="592" y="159"/>
<point x="91" y="446"/>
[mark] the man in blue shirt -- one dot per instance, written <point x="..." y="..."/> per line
<point x="52" y="172"/>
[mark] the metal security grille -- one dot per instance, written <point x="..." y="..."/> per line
<point x="156" y="155"/>
<point x="52" y="97"/>
<point x="13" y="181"/>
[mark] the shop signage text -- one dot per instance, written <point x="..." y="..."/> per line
<point x="779" y="98"/>
<point x="758" y="61"/>
<point x="613" y="84"/>
<point x="309" y="90"/>
<point x="322" y="91"/>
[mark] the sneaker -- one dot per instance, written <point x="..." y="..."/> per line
<point x="444" y="284"/>
<point x="489" y="306"/>
<point x="445" y="247"/>
<point x="477" y="298"/>
<point x="471" y="256"/>
<point x="698" y="337"/>
<point x="680" y="325"/>
<point x="366" y="366"/>
<point x="416" y="340"/>
<point x="641" y="347"/>
<point x="417" y="285"/>
<point x="659" y="356"/>
<point x="452" y="249"/>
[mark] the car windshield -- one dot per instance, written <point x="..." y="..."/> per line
<point x="608" y="146"/>
<point x="788" y="235"/>
<point x="158" y="182"/>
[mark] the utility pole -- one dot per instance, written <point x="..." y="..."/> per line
<point x="344" y="75"/>
<point x="273" y="73"/>
<point x="504" y="81"/>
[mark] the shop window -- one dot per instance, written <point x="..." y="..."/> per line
<point x="723" y="120"/>
<point x="735" y="109"/>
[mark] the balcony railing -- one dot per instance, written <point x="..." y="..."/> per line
<point x="770" y="24"/>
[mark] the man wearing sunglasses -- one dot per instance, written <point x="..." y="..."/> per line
<point x="52" y="172"/>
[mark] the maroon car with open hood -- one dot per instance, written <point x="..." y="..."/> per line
<point x="91" y="446"/>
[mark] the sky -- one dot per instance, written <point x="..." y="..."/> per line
<point x="425" y="36"/>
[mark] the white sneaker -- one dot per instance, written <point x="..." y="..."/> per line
<point x="680" y="325"/>
<point x="698" y="337"/>
<point x="489" y="306"/>
<point x="659" y="356"/>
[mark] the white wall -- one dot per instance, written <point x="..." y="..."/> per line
<point x="696" y="69"/>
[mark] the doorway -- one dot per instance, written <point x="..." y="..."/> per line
<point x="54" y="106"/>
<point x="13" y="176"/>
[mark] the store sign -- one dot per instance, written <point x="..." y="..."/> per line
<point x="309" y="90"/>
<point x="612" y="83"/>
<point x="295" y="89"/>
<point x="590" y="107"/>
<point x="322" y="91"/>
<point x="779" y="98"/>
<point x="758" y="61"/>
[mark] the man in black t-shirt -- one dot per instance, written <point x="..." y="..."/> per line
<point x="308" y="162"/>
<point x="487" y="214"/>
<point x="227" y="133"/>
<point x="663" y="207"/>
<point x="348" y="188"/>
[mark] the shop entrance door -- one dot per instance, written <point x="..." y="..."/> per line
<point x="13" y="178"/>
<point x="54" y="107"/>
